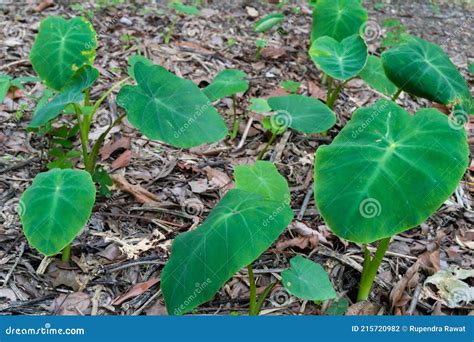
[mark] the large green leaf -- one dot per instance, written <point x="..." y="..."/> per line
<point x="340" y="60"/>
<point x="5" y="83"/>
<point x="62" y="47"/>
<point x="305" y="114"/>
<point x="134" y="59"/>
<point x="263" y="179"/>
<point x="306" y="279"/>
<point x="71" y="93"/>
<point x="388" y="171"/>
<point x="374" y="75"/>
<point x="423" y="69"/>
<point x="337" y="19"/>
<point x="55" y="208"/>
<point x="168" y="108"/>
<point x="269" y="21"/>
<point x="241" y="227"/>
<point x="227" y="83"/>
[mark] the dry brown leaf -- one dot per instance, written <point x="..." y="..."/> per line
<point x="135" y="291"/>
<point x="273" y="52"/>
<point x="364" y="308"/>
<point x="73" y="304"/>
<point x="141" y="195"/>
<point x="316" y="91"/>
<point x="301" y="242"/>
<point x="43" y="5"/>
<point x="122" y="161"/>
<point x="156" y="309"/>
<point x="218" y="179"/>
<point x="111" y="147"/>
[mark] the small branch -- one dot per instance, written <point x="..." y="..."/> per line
<point x="397" y="94"/>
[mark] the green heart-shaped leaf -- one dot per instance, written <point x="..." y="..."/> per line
<point x="374" y="75"/>
<point x="71" y="93"/>
<point x="168" y="108"/>
<point x="263" y="179"/>
<point x="306" y="279"/>
<point x="387" y="171"/>
<point x="259" y="105"/>
<point x="62" y="47"/>
<point x="423" y="69"/>
<point x="55" y="208"/>
<point x="305" y="114"/>
<point x="132" y="60"/>
<point x="227" y="83"/>
<point x="342" y="60"/>
<point x="337" y="19"/>
<point x="269" y="21"/>
<point x="241" y="227"/>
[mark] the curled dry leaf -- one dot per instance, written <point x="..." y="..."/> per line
<point x="112" y="146"/>
<point x="136" y="290"/>
<point x="451" y="287"/>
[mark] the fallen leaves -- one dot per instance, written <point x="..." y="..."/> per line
<point x="73" y="304"/>
<point x="141" y="195"/>
<point x="451" y="287"/>
<point x="136" y="290"/>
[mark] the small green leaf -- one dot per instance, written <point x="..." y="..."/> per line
<point x="55" y="208"/>
<point x="5" y="83"/>
<point x="184" y="9"/>
<point x="374" y="75"/>
<point x="342" y="60"/>
<point x="102" y="178"/>
<point x="338" y="308"/>
<point x="290" y="86"/>
<point x="337" y="19"/>
<point x="269" y="21"/>
<point x="241" y="227"/>
<point x="423" y="69"/>
<point x="259" y="105"/>
<point x="168" y="108"/>
<point x="388" y="171"/>
<point x="62" y="47"/>
<point x="227" y="83"/>
<point x="306" y="279"/>
<point x="302" y="113"/>
<point x="261" y="43"/>
<point x="71" y="93"/>
<point x="263" y="179"/>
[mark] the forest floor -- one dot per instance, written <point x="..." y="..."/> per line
<point x="162" y="191"/>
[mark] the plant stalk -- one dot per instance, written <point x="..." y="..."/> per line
<point x="235" y="121"/>
<point x="397" y="94"/>
<point x="272" y="139"/>
<point x="170" y="31"/>
<point x="253" y="292"/>
<point x="66" y="254"/>
<point x="370" y="269"/>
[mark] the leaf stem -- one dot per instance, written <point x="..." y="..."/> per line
<point x="397" y="94"/>
<point x="235" y="121"/>
<point x="371" y="266"/>
<point x="330" y="81"/>
<point x="66" y="254"/>
<point x="253" y="292"/>
<point x="170" y="31"/>
<point x="83" y="134"/>
<point x="272" y="139"/>
<point x="105" y="95"/>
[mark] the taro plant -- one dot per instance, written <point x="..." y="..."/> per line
<point x="55" y="208"/>
<point x="228" y="82"/>
<point x="301" y="113"/>
<point x="180" y="9"/>
<point x="246" y="221"/>
<point x="386" y="172"/>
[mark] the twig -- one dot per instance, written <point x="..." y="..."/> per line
<point x="244" y="136"/>
<point x="305" y="202"/>
<point x="9" y="274"/>
<point x="21" y="61"/>
<point x="18" y="165"/>
<point x="414" y="300"/>
<point x="135" y="263"/>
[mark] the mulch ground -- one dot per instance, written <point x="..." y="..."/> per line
<point x="161" y="191"/>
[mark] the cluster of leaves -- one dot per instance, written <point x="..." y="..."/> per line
<point x="384" y="173"/>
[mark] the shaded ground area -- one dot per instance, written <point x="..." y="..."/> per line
<point x="165" y="191"/>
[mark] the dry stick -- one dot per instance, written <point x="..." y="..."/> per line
<point x="414" y="300"/>
<point x="305" y="202"/>
<point x="244" y="136"/>
<point x="21" y="61"/>
<point x="7" y="278"/>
